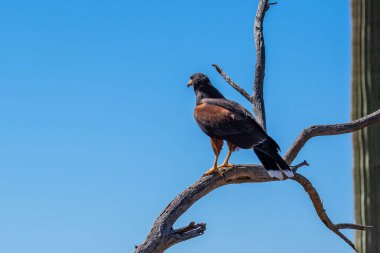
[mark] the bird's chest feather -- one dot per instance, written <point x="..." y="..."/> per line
<point x="211" y="115"/>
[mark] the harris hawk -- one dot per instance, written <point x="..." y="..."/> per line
<point x="225" y="120"/>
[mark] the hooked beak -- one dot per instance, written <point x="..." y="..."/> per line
<point x="189" y="83"/>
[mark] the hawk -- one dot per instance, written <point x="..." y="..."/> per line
<point x="225" y="120"/>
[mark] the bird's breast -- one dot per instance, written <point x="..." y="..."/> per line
<point x="208" y="114"/>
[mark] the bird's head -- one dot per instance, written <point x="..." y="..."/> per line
<point x="203" y="87"/>
<point x="198" y="80"/>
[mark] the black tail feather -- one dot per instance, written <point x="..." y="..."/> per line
<point x="269" y="164"/>
<point x="271" y="159"/>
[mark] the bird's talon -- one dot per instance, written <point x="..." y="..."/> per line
<point x="226" y="165"/>
<point x="212" y="170"/>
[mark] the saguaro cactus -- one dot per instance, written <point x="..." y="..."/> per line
<point x="366" y="99"/>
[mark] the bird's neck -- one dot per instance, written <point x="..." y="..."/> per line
<point x="208" y="91"/>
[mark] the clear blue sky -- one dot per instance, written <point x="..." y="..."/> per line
<point x="97" y="133"/>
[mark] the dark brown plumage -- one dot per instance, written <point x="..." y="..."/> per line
<point x="223" y="119"/>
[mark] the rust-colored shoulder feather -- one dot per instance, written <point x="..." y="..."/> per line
<point x="234" y="126"/>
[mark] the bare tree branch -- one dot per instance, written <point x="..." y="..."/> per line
<point x="352" y="226"/>
<point x="190" y="231"/>
<point x="322" y="130"/>
<point x="232" y="83"/>
<point x="296" y="167"/>
<point x="258" y="86"/>
<point x="162" y="235"/>
<point x="318" y="205"/>
<point x="257" y="99"/>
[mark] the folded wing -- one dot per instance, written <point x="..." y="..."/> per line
<point x="228" y="120"/>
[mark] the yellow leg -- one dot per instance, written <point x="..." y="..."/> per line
<point x="225" y="163"/>
<point x="214" y="167"/>
<point x="217" y="145"/>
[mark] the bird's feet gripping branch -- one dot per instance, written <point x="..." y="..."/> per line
<point x="217" y="169"/>
<point x="226" y="164"/>
<point x="217" y="145"/>
<point x="212" y="170"/>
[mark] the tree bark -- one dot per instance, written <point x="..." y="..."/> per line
<point x="366" y="99"/>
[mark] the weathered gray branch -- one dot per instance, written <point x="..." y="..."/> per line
<point x="182" y="234"/>
<point x="296" y="167"/>
<point x="318" y="206"/>
<point x="258" y="85"/>
<point x="322" y="130"/>
<point x="232" y="83"/>
<point x="352" y="226"/>
<point x="161" y="234"/>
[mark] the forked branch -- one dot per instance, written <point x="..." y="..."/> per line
<point x="257" y="99"/>
<point x="318" y="205"/>
<point x="162" y="234"/>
